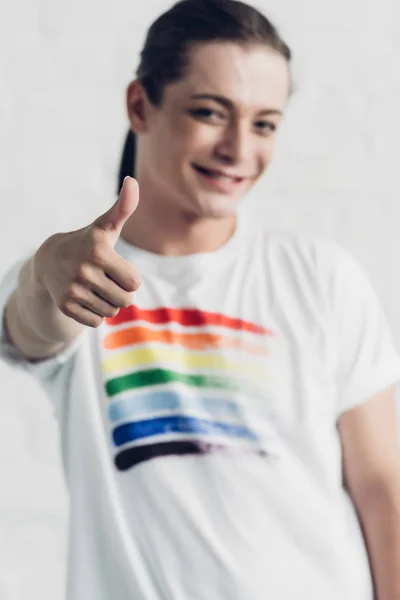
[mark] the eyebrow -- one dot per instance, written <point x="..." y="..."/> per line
<point x="229" y="104"/>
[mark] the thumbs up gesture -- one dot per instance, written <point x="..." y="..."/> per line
<point x="87" y="279"/>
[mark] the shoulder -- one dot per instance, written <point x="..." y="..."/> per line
<point x="313" y="266"/>
<point x="316" y="254"/>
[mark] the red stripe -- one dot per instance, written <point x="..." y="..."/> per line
<point x="189" y="317"/>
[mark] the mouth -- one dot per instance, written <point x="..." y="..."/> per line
<point x="218" y="175"/>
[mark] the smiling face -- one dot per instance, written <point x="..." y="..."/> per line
<point x="213" y="136"/>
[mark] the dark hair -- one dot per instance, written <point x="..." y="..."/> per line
<point x="165" y="54"/>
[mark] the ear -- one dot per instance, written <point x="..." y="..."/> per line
<point x="136" y="104"/>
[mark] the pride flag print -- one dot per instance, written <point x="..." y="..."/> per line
<point x="176" y="379"/>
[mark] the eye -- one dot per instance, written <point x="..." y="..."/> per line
<point x="266" y="127"/>
<point x="206" y="113"/>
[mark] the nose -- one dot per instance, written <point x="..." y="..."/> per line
<point x="234" y="146"/>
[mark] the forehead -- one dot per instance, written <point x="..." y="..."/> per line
<point x="252" y="76"/>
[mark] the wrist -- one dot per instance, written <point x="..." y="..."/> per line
<point x="39" y="263"/>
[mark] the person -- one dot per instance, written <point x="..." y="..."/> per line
<point x="224" y="390"/>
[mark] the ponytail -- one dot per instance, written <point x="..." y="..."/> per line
<point x="127" y="163"/>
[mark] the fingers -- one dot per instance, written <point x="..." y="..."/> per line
<point x="94" y="295"/>
<point x="87" y="307"/>
<point x="114" y="219"/>
<point x="111" y="292"/>
<point x="123" y="273"/>
<point x="113" y="278"/>
<point x="87" y="278"/>
<point x="82" y="315"/>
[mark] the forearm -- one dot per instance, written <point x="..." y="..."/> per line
<point x="380" y="518"/>
<point x="34" y="323"/>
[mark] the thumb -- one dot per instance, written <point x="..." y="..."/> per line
<point x="114" y="219"/>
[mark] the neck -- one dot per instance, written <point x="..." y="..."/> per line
<point x="170" y="231"/>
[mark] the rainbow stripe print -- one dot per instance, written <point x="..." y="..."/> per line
<point x="176" y="380"/>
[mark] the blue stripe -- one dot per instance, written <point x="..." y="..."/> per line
<point x="169" y="400"/>
<point x="130" y="432"/>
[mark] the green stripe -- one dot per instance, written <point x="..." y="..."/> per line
<point x="152" y="377"/>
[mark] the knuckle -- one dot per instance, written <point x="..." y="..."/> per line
<point x="112" y="312"/>
<point x="95" y="321"/>
<point x="68" y="308"/>
<point x="126" y="300"/>
<point x="133" y="282"/>
<point x="97" y="235"/>
<point x="97" y="255"/>
<point x="73" y="292"/>
<point x="83" y="272"/>
<point x="130" y="286"/>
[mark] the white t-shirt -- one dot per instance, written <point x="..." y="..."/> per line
<point x="199" y="427"/>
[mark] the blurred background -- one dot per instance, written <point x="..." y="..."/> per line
<point x="64" y="68"/>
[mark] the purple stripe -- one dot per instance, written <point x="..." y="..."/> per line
<point x="133" y="456"/>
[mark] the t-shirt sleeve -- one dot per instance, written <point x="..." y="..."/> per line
<point x="43" y="370"/>
<point x="366" y="361"/>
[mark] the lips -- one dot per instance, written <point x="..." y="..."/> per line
<point x="215" y="173"/>
<point x="218" y="182"/>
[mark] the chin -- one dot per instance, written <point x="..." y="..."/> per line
<point x="216" y="206"/>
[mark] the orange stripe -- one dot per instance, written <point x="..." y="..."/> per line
<point x="192" y="341"/>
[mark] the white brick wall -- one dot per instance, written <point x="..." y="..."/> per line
<point x="63" y="71"/>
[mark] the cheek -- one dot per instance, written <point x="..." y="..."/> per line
<point x="193" y="137"/>
<point x="267" y="152"/>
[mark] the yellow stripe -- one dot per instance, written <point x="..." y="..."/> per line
<point x="140" y="357"/>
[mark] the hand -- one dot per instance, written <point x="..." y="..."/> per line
<point x="82" y="272"/>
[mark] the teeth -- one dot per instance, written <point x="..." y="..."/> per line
<point x="218" y="175"/>
<point x="223" y="177"/>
